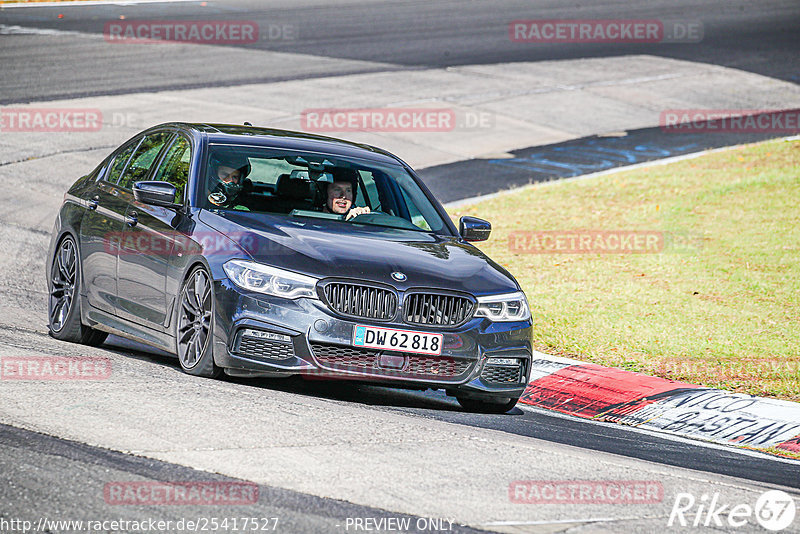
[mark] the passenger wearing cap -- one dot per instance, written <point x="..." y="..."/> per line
<point x="341" y="194"/>
<point x="230" y="172"/>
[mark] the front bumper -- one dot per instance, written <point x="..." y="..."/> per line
<point x="263" y="334"/>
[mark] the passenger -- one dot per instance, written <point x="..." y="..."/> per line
<point x="229" y="171"/>
<point x="341" y="194"/>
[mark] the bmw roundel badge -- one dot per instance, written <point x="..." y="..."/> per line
<point x="400" y="277"/>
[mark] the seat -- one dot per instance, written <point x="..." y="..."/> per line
<point x="293" y="194"/>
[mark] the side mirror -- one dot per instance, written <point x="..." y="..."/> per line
<point x="155" y="193"/>
<point x="474" y="229"/>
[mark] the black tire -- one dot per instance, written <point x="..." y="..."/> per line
<point x="486" y="405"/>
<point x="194" y="323"/>
<point x="63" y="306"/>
<point x="93" y="337"/>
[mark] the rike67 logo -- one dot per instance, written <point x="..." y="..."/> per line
<point x="774" y="510"/>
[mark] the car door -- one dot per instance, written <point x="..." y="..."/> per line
<point x="101" y="230"/>
<point x="149" y="237"/>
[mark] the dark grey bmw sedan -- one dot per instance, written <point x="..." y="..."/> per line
<point x="260" y="252"/>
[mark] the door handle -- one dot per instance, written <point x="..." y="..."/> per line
<point x="93" y="203"/>
<point x="132" y="219"/>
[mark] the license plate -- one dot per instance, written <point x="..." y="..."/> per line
<point x="373" y="337"/>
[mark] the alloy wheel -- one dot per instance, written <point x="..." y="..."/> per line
<point x="194" y="321"/>
<point x="62" y="284"/>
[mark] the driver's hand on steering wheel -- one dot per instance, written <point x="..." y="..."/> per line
<point x="355" y="212"/>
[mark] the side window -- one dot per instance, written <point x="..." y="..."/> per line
<point x="416" y="217"/>
<point x="119" y="162"/>
<point x="175" y="166"/>
<point x="143" y="158"/>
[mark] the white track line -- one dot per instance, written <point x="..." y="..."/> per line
<point x="23" y="30"/>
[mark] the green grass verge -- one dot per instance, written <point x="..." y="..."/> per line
<point x="718" y="305"/>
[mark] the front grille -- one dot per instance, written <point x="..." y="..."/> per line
<point x="356" y="300"/>
<point x="366" y="361"/>
<point x="436" y="309"/>
<point x="262" y="349"/>
<point x="502" y="374"/>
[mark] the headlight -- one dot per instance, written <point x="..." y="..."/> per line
<point x="504" y="308"/>
<point x="269" y="280"/>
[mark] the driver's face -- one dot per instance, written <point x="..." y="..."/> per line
<point x="340" y="197"/>
<point x="228" y="174"/>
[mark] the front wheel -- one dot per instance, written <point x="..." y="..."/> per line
<point x="487" y="406"/>
<point x="63" y="305"/>
<point x="195" y="324"/>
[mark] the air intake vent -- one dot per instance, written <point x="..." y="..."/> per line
<point x="368" y="361"/>
<point x="437" y="309"/>
<point x="357" y="300"/>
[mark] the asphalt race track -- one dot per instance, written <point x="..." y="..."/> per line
<point x="324" y="455"/>
<point x="366" y="36"/>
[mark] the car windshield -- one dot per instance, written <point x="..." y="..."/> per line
<point x="296" y="184"/>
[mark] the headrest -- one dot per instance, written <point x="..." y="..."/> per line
<point x="294" y="189"/>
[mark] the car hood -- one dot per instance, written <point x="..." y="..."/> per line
<point x="322" y="248"/>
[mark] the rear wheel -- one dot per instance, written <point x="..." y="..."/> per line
<point x="63" y="308"/>
<point x="194" y="325"/>
<point x="486" y="406"/>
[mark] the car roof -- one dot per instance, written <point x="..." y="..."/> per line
<point x="275" y="138"/>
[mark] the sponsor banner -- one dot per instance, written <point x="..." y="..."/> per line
<point x="720" y="416"/>
<point x="614" y="395"/>
<point x="791" y="445"/>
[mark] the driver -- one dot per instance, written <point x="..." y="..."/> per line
<point x="341" y="194"/>
<point x="228" y="180"/>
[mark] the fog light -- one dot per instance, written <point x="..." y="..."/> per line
<point x="391" y="361"/>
